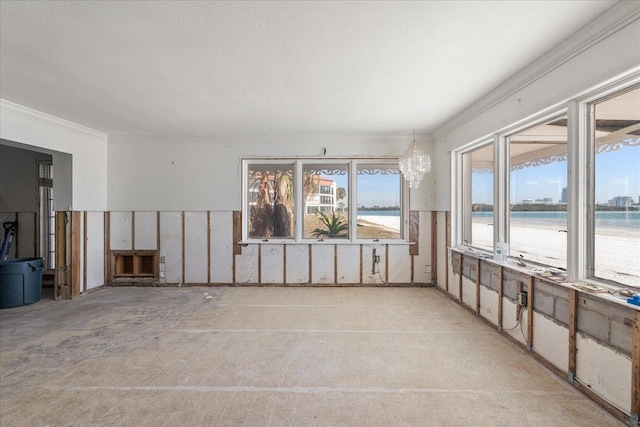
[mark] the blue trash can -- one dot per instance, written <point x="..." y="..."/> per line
<point x="20" y="281"/>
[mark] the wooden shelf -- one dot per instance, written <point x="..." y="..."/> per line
<point x="135" y="263"/>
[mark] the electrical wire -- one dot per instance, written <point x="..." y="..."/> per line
<point x="518" y="322"/>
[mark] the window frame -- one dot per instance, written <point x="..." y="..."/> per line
<point x="580" y="260"/>
<point x="299" y="205"/>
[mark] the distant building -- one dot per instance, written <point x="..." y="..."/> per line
<point x="527" y="201"/>
<point x="621" y="201"/>
<point x="563" y="197"/>
<point x="545" y="200"/>
<point x="324" y="200"/>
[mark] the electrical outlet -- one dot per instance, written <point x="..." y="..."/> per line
<point x="523" y="299"/>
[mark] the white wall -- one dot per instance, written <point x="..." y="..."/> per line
<point x="200" y="174"/>
<point x="608" y="47"/>
<point x="87" y="147"/>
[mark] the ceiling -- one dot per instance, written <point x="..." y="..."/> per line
<point x="180" y="68"/>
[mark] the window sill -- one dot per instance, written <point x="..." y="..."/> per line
<point x="609" y="294"/>
<point x="325" y="242"/>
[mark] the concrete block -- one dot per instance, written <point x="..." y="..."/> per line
<point x="620" y="337"/>
<point x="543" y="302"/>
<point x="489" y="276"/>
<point x="562" y="311"/>
<point x="455" y="262"/>
<point x="510" y="284"/>
<point x="469" y="269"/>
<point x="593" y="323"/>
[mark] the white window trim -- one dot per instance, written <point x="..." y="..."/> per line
<point x="298" y="238"/>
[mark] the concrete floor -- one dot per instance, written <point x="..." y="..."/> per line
<point x="272" y="356"/>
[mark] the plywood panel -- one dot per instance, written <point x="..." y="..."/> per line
<point x="195" y="247"/>
<point x="322" y="267"/>
<point x="222" y="247"/>
<point x="604" y="371"/>
<point x="146" y="230"/>
<point x="272" y="264"/>
<point x="120" y="229"/>
<point x="348" y="264"/>
<point x="400" y="265"/>
<point x="551" y="341"/>
<point x="95" y="249"/>
<point x="171" y="245"/>
<point x="247" y="265"/>
<point x="297" y="263"/>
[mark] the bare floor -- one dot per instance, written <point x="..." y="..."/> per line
<point x="272" y="356"/>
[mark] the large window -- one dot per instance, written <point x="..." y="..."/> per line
<point x="558" y="199"/>
<point x="379" y="199"/>
<point x="320" y="200"/>
<point x="478" y="198"/>
<point x="538" y="193"/>
<point x="615" y="210"/>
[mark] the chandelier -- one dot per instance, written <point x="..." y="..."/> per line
<point x="414" y="163"/>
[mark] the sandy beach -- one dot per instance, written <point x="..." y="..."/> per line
<point x="617" y="256"/>
<point x="391" y="222"/>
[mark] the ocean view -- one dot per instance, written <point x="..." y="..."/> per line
<point x="380" y="212"/>
<point x="623" y="221"/>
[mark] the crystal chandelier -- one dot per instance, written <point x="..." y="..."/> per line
<point x="414" y="163"/>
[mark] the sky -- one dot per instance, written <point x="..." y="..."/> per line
<point x="373" y="190"/>
<point x="617" y="174"/>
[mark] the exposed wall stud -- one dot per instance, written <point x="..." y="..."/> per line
<point x="85" y="252"/>
<point x="434" y="247"/>
<point x="209" y="247"/>
<point x="530" y="313"/>
<point x="573" y="326"/>
<point x="478" y="287"/>
<point x="500" y="297"/>
<point x="75" y="254"/>
<point x="635" y="369"/>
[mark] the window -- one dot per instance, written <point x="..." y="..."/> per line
<point x="325" y="200"/>
<point x="47" y="214"/>
<point x="317" y="199"/>
<point x="477" y="204"/>
<point x="538" y="193"/>
<point x="270" y="200"/>
<point x="379" y="199"/>
<point x="615" y="211"/>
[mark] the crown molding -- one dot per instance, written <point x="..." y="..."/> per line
<point x="16" y="110"/>
<point x="614" y="19"/>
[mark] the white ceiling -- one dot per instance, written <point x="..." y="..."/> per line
<point x="271" y="68"/>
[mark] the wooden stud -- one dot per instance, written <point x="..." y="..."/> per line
<point x="530" y="313"/>
<point x="573" y="327"/>
<point x="478" y="287"/>
<point x="183" y="245"/>
<point x="635" y="368"/>
<point x="259" y="263"/>
<point x="209" y="247"/>
<point x="133" y="229"/>
<point x="447" y="240"/>
<point x="434" y="247"/>
<point x="107" y="245"/>
<point x="85" y="253"/>
<point x="75" y="254"/>
<point x="310" y="281"/>
<point x="500" y="297"/>
<point x="158" y="231"/>
<point x="520" y="288"/>
<point x="237" y="232"/>
<point x="460" y="277"/>
<point x="61" y="256"/>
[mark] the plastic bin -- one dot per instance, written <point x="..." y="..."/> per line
<point x="20" y="281"/>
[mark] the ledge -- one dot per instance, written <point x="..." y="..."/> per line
<point x="529" y="270"/>
<point x="326" y="242"/>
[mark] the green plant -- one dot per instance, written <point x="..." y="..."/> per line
<point x="336" y="225"/>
